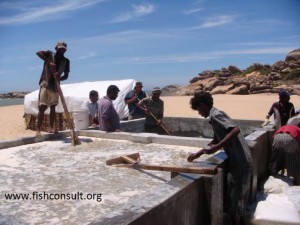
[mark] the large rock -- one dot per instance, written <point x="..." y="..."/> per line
<point x="170" y="90"/>
<point x="233" y="69"/>
<point x="222" y="89"/>
<point x="212" y="83"/>
<point x="241" y="90"/>
<point x="293" y="55"/>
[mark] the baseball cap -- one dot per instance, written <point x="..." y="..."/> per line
<point x="61" y="44"/>
<point x="139" y="84"/>
<point x="284" y="93"/>
<point x="156" y="90"/>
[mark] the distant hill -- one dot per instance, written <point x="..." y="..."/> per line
<point x="257" y="78"/>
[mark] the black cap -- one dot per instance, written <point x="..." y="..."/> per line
<point x="139" y="84"/>
<point x="284" y="93"/>
<point x="112" y="88"/>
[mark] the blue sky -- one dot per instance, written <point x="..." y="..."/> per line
<point x="153" y="41"/>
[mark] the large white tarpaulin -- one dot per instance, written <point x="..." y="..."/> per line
<point x="78" y="93"/>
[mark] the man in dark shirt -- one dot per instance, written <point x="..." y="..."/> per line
<point x="282" y="110"/>
<point x="55" y="64"/>
<point x="132" y="98"/>
<point x="240" y="163"/>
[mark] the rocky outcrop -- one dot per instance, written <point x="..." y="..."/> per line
<point x="257" y="78"/>
<point x="14" y="94"/>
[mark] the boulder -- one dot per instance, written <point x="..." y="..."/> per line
<point x="274" y="76"/>
<point x="241" y="90"/>
<point x="222" y="89"/>
<point x="212" y="83"/>
<point x="293" y="55"/>
<point x="234" y="69"/>
<point x="279" y="65"/>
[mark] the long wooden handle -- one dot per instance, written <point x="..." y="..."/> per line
<point x="162" y="126"/>
<point x="201" y="170"/>
<point x="74" y="139"/>
<point x="179" y="169"/>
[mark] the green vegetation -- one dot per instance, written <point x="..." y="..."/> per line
<point x="250" y="69"/>
<point x="294" y="74"/>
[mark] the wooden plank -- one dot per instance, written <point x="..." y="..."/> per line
<point x="120" y="160"/>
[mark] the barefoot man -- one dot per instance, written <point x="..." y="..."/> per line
<point x="55" y="64"/>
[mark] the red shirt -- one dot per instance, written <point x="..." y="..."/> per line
<point x="293" y="130"/>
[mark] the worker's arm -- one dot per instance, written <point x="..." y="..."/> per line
<point x="215" y="147"/>
<point x="44" y="55"/>
<point x="270" y="113"/>
<point x="141" y="104"/>
<point x="66" y="72"/>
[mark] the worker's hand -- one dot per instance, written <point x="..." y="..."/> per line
<point x="267" y="121"/>
<point x="159" y="122"/>
<point x="147" y="111"/>
<point x="56" y="75"/>
<point x="196" y="155"/>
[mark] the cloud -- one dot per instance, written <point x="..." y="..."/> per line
<point x="34" y="13"/>
<point x="138" y="11"/>
<point x="87" y="56"/>
<point x="197" y="57"/>
<point x="216" y="21"/>
<point x="192" y="11"/>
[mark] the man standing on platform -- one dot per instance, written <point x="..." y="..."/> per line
<point x="55" y="64"/>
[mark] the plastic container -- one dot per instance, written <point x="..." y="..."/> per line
<point x="81" y="119"/>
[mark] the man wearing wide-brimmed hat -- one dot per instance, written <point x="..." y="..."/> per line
<point x="55" y="64"/>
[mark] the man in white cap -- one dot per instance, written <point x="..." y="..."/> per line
<point x="55" y="64"/>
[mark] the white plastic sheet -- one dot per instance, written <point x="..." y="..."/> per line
<point x="78" y="93"/>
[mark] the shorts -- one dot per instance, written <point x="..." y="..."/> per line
<point x="48" y="97"/>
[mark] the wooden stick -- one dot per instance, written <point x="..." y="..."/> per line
<point x="161" y="125"/>
<point x="179" y="169"/>
<point x="74" y="139"/>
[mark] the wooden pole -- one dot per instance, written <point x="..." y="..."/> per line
<point x="74" y="139"/>
<point x="161" y="125"/>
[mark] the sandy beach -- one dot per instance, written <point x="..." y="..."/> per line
<point x="253" y="107"/>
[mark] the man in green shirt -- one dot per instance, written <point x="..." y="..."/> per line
<point x="155" y="106"/>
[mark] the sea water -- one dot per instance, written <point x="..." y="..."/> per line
<point x="11" y="101"/>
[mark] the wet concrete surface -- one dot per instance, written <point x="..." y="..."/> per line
<point x="54" y="167"/>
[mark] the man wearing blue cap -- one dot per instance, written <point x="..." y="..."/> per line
<point x="282" y="110"/>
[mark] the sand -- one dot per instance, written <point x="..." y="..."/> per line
<point x="253" y="107"/>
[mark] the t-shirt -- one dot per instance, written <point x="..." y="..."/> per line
<point x="237" y="150"/>
<point x="156" y="107"/>
<point x="106" y="111"/>
<point x="285" y="111"/>
<point x="62" y="66"/>
<point x="293" y="130"/>
<point x="133" y="108"/>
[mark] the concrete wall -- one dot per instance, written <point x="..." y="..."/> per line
<point x="188" y="199"/>
<point x="260" y="143"/>
<point x="194" y="126"/>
